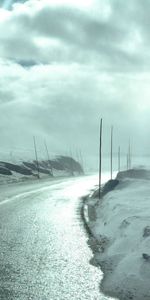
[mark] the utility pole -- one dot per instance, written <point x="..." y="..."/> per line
<point x="119" y="159"/>
<point x="77" y="156"/>
<point x="81" y="159"/>
<point x="48" y="157"/>
<point x="111" y="152"/>
<point x="100" y="158"/>
<point x="129" y="155"/>
<point x="71" y="162"/>
<point x="36" y="156"/>
<point x="127" y="161"/>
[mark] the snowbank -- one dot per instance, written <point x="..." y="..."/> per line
<point x="120" y="224"/>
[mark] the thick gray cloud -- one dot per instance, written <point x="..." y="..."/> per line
<point x="56" y="33"/>
<point x="65" y="66"/>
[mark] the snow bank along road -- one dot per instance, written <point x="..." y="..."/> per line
<point x="120" y="223"/>
<point x="43" y="250"/>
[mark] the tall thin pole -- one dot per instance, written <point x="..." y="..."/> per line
<point x="36" y="156"/>
<point x="119" y="159"/>
<point x="129" y="155"/>
<point x="127" y="161"/>
<point x="48" y="156"/>
<point x="77" y="156"/>
<point x="111" y="151"/>
<point x="81" y="159"/>
<point x="71" y="162"/>
<point x="100" y="158"/>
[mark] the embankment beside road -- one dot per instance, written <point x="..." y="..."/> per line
<point x="119" y="235"/>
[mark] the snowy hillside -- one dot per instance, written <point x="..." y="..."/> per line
<point x="22" y="170"/>
<point x="120" y="223"/>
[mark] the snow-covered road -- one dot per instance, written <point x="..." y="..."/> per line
<point x="43" y="250"/>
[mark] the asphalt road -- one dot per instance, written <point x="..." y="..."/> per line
<point x="43" y="245"/>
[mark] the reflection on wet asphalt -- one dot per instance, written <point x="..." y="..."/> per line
<point x="43" y="249"/>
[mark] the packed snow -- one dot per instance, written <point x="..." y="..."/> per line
<point x="120" y="224"/>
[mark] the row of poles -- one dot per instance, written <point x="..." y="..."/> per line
<point x="79" y="156"/>
<point x="111" y="156"/>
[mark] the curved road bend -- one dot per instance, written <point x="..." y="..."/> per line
<point x="43" y="249"/>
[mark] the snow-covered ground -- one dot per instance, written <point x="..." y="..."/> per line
<point x="120" y="223"/>
<point x="21" y="170"/>
<point x="16" y="177"/>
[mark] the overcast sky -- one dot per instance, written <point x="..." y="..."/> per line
<point x="67" y="63"/>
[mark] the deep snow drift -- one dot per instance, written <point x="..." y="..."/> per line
<point x="120" y="223"/>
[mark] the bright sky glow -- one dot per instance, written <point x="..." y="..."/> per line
<point x="45" y="42"/>
<point x="133" y="43"/>
<point x="4" y="14"/>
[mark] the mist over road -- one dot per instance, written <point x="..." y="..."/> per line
<point x="43" y="250"/>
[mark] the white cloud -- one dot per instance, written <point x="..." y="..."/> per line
<point x="66" y="31"/>
<point x="65" y="65"/>
<point x="4" y="15"/>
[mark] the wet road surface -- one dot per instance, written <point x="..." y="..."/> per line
<point x="43" y="245"/>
